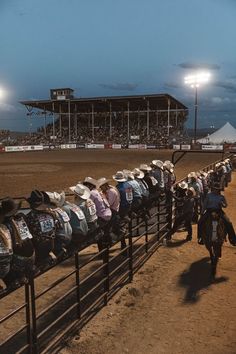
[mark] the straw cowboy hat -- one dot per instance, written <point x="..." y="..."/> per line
<point x="101" y="181"/>
<point x="129" y="174"/>
<point x="191" y="190"/>
<point x="192" y="175"/>
<point x="169" y="165"/>
<point x="9" y="207"/>
<point x="144" y="167"/>
<point x="81" y="191"/>
<point x="158" y="163"/>
<point x="91" y="180"/>
<point x="57" y="199"/>
<point x="120" y="177"/>
<point x="183" y="185"/>
<point x="138" y="173"/>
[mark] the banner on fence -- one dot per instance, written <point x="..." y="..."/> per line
<point x="151" y="147"/>
<point x="116" y="146"/>
<point x="137" y="146"/>
<point x="68" y="146"/>
<point x="185" y="147"/>
<point x="23" y="148"/>
<point x="212" y="147"/>
<point x="176" y="147"/>
<point x="107" y="146"/>
<point x="80" y="146"/>
<point x="94" y="146"/>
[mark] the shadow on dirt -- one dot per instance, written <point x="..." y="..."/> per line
<point x="197" y="278"/>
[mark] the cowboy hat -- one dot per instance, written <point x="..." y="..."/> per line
<point x="192" y="175"/>
<point x="144" y="167"/>
<point x="183" y="185"/>
<point x="90" y="180"/>
<point x="129" y="174"/>
<point x="138" y="173"/>
<point x="9" y="207"/>
<point x="216" y="185"/>
<point x="157" y="163"/>
<point x="120" y="177"/>
<point x="57" y="199"/>
<point x="101" y="181"/>
<point x="38" y="199"/>
<point x="192" y="191"/>
<point x="81" y="191"/>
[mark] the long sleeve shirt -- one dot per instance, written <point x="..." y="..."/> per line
<point x="102" y="206"/>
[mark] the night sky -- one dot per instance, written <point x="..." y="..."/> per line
<point x="117" y="47"/>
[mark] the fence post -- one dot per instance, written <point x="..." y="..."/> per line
<point x="130" y="252"/>
<point x="146" y="235"/>
<point x="33" y="316"/>
<point x="28" y="319"/>
<point x="158" y="218"/>
<point x="106" y="274"/>
<point x="77" y="284"/>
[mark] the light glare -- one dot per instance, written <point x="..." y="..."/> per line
<point x="194" y="80"/>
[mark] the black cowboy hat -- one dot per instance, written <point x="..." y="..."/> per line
<point x="9" y="207"/>
<point x="37" y="198"/>
<point x="216" y="186"/>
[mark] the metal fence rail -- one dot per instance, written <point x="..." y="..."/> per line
<point x="54" y="310"/>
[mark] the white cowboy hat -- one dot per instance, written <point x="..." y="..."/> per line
<point x="192" y="175"/>
<point x="101" y="181"/>
<point x="81" y="191"/>
<point x="138" y="173"/>
<point x="168" y="164"/>
<point x="183" y="185"/>
<point x="119" y="177"/>
<point x="144" y="167"/>
<point x="90" y="180"/>
<point x="192" y="190"/>
<point x="129" y="174"/>
<point x="57" y="198"/>
<point x="157" y="163"/>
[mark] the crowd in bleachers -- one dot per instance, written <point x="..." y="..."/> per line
<point x="53" y="227"/>
<point x="81" y="132"/>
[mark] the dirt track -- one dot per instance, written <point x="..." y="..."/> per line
<point x="171" y="307"/>
<point x="57" y="170"/>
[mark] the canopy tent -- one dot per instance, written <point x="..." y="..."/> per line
<point x="226" y="134"/>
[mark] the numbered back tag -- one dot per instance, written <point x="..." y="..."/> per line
<point x="91" y="208"/>
<point x="63" y="214"/>
<point x="129" y="194"/>
<point x="78" y="212"/>
<point x="23" y="229"/>
<point x="46" y="223"/>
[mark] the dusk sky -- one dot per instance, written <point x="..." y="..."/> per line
<point x="117" y="47"/>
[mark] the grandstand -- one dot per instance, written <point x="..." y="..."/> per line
<point x="154" y="119"/>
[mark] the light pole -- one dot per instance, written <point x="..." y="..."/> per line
<point x="195" y="80"/>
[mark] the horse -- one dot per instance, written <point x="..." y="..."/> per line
<point x="213" y="236"/>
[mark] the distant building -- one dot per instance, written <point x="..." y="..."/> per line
<point x="61" y="94"/>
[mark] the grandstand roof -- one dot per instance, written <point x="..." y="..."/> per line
<point x="103" y="104"/>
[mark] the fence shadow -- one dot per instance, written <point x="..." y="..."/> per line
<point x="197" y="278"/>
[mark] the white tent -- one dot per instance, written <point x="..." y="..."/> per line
<point x="226" y="134"/>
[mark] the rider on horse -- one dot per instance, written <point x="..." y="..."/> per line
<point x="214" y="201"/>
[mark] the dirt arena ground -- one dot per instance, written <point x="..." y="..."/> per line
<point x="171" y="306"/>
<point x="57" y="170"/>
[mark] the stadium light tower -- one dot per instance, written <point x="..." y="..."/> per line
<point x="194" y="81"/>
